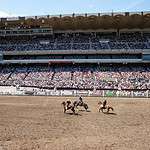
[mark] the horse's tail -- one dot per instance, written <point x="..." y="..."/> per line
<point x="86" y="106"/>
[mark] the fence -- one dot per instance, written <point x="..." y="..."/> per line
<point x="10" y="90"/>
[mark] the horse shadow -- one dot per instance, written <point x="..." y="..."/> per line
<point x="76" y="114"/>
<point x="84" y="110"/>
<point x="109" y="113"/>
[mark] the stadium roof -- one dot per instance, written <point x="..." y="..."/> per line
<point x="113" y="20"/>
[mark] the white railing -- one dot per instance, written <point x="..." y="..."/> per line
<point x="28" y="61"/>
<point x="10" y="90"/>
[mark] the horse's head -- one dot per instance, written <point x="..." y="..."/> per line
<point x="99" y="103"/>
<point x="63" y="103"/>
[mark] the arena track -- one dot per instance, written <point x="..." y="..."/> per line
<point x="38" y="123"/>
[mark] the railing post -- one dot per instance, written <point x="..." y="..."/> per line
<point x="131" y="93"/>
<point x="103" y="93"/>
<point x="147" y="93"/>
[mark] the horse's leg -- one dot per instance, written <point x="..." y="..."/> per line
<point x="111" y="108"/>
<point x="64" y="110"/>
<point x="76" y="106"/>
<point x="73" y="110"/>
<point x="108" y="109"/>
<point x="99" y="109"/>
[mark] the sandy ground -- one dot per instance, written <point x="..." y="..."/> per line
<point x="38" y="123"/>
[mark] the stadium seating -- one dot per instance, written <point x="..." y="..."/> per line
<point x="78" y="77"/>
<point x="78" y="41"/>
<point x="82" y="76"/>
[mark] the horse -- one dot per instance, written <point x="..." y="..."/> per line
<point x="81" y="104"/>
<point x="67" y="106"/>
<point x="107" y="107"/>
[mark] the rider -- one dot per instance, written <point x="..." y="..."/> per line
<point x="104" y="103"/>
<point x="80" y="100"/>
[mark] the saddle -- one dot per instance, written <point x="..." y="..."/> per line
<point x="103" y="107"/>
<point x="81" y="103"/>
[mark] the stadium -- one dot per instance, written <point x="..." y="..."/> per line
<point x="45" y="60"/>
<point x="77" y="53"/>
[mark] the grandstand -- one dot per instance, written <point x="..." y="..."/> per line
<point x="95" y="54"/>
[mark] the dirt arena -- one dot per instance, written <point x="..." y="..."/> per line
<point x="38" y="123"/>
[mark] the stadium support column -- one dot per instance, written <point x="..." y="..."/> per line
<point x="131" y="93"/>
<point x="118" y="93"/>
<point x="103" y="93"/>
<point x="147" y="93"/>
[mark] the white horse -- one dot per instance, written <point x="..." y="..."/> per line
<point x="107" y="107"/>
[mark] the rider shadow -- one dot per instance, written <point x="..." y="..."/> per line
<point x="109" y="113"/>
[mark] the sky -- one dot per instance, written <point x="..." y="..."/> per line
<point x="12" y="8"/>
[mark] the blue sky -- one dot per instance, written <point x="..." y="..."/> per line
<point x="54" y="7"/>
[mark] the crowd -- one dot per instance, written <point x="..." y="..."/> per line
<point x="78" y="77"/>
<point x="80" y="41"/>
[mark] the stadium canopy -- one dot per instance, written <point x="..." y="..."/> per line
<point x="122" y="20"/>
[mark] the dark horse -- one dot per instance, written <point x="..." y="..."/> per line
<point x="107" y="107"/>
<point x="67" y="106"/>
<point x="81" y="104"/>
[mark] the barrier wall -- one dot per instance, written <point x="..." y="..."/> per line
<point x="10" y="90"/>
